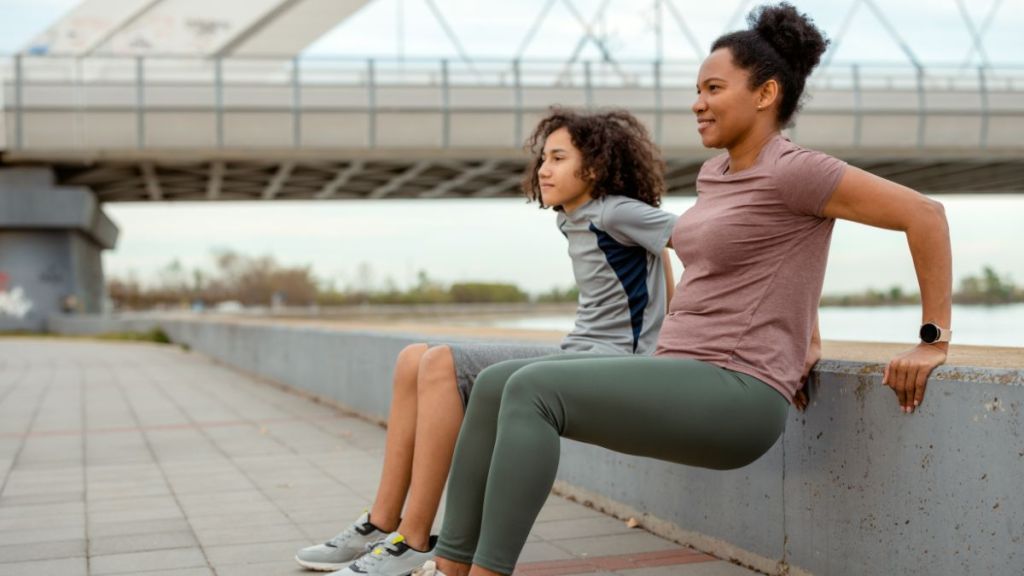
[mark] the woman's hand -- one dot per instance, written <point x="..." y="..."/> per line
<point x="802" y="398"/>
<point x="907" y="374"/>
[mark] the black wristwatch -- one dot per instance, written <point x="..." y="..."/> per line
<point x="932" y="333"/>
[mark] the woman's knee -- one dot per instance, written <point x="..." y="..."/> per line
<point x="490" y="383"/>
<point x="534" y="391"/>
<point x="532" y="386"/>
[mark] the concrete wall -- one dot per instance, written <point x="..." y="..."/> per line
<point x="853" y="488"/>
<point x="51" y="239"/>
<point x="35" y="270"/>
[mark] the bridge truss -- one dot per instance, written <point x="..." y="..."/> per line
<point x="227" y="125"/>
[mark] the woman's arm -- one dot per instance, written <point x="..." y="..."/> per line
<point x="670" y="281"/>
<point x="866" y="198"/>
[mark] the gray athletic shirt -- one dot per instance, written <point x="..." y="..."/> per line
<point x="616" y="244"/>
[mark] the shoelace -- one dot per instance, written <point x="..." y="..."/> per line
<point x="342" y="536"/>
<point x="371" y="558"/>
<point x="347" y="534"/>
<point x="369" y="546"/>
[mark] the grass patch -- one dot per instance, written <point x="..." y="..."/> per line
<point x="156" y="335"/>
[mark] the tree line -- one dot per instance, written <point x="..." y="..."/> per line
<point x="262" y="281"/>
<point x="987" y="288"/>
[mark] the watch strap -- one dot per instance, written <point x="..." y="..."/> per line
<point x="944" y="334"/>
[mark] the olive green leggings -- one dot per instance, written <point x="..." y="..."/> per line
<point x="675" y="409"/>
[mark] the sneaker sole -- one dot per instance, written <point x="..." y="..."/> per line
<point x="321" y="566"/>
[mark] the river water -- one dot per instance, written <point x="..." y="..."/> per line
<point x="977" y="325"/>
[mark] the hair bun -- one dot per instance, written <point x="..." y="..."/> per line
<point x="793" y="35"/>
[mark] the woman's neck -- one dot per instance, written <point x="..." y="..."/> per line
<point x="744" y="154"/>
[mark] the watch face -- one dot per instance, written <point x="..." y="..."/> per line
<point x="929" y="333"/>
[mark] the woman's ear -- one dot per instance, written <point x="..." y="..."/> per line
<point x="767" y="94"/>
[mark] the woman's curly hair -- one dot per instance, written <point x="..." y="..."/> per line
<point x="617" y="154"/>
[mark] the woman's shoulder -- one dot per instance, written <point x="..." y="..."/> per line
<point x="784" y="154"/>
<point x="803" y="177"/>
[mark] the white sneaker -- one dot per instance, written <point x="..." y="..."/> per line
<point x="429" y="568"/>
<point x="340" y="551"/>
<point x="391" y="557"/>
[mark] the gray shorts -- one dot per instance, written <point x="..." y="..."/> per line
<point x="471" y="359"/>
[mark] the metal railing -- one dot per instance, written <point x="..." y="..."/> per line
<point x="143" y="86"/>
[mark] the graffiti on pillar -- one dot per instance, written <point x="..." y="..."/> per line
<point x="51" y="275"/>
<point x="13" y="301"/>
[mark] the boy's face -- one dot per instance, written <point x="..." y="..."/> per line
<point x="559" y="174"/>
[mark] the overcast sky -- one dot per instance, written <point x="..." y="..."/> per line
<point x="935" y="30"/>
<point x="507" y="239"/>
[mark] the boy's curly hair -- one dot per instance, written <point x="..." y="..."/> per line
<point x="618" y="155"/>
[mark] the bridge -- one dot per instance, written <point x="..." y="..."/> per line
<point x="168" y="101"/>
<point x="165" y="129"/>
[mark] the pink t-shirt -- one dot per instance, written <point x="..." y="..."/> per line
<point x="754" y="248"/>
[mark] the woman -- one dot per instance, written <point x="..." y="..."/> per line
<point x="603" y="176"/>
<point x="741" y="327"/>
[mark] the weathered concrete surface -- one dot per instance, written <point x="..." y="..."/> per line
<point x="51" y="239"/>
<point x="934" y="493"/>
<point x="30" y="200"/>
<point x="855" y="487"/>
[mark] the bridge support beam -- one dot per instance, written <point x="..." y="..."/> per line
<point x="51" y="241"/>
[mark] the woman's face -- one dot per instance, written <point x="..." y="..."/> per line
<point x="559" y="173"/>
<point x="726" y="107"/>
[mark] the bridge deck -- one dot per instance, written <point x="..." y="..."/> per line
<point x="265" y="129"/>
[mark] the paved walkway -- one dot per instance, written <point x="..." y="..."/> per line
<point x="121" y="458"/>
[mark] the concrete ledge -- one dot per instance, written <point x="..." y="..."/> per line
<point x="854" y="487"/>
<point x="29" y="200"/>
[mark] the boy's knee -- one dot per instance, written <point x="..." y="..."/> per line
<point x="437" y="361"/>
<point x="437" y="366"/>
<point x="411" y="354"/>
<point x="406" y="367"/>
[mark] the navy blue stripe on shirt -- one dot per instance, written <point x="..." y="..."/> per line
<point x="630" y="266"/>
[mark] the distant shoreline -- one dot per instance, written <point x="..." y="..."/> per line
<point x="483" y="312"/>
<point x="833" y="304"/>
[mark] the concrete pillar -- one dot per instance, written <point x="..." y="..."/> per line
<point x="51" y="240"/>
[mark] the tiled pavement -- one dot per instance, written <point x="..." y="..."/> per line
<point x="121" y="458"/>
